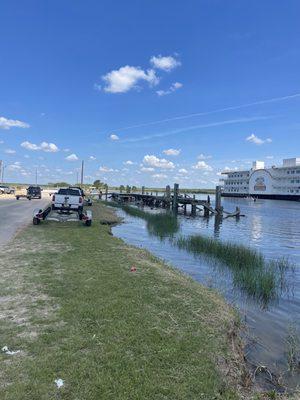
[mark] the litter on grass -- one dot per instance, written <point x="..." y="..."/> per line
<point x="59" y="383"/>
<point x="132" y="269"/>
<point x="6" y="350"/>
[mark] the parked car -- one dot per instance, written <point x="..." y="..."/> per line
<point x="6" y="189"/>
<point x="68" y="199"/>
<point x="34" y="192"/>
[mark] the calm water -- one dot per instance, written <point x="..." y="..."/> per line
<point x="272" y="227"/>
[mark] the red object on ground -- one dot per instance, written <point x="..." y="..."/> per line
<point x="132" y="269"/>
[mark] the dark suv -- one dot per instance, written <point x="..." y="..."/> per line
<point x="34" y="192"/>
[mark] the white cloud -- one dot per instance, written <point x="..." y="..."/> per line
<point x="203" y="157"/>
<point x="270" y="157"/>
<point x="15" y="166"/>
<point x="159" y="176"/>
<point x="203" y="166"/>
<point x="165" y="63"/>
<point x="114" y="137"/>
<point x="172" y="152"/>
<point x="175" y="86"/>
<point x="44" y="146"/>
<point x="66" y="150"/>
<point x="256" y="140"/>
<point x="1" y="141"/>
<point x="128" y="162"/>
<point x="156" y="162"/>
<point x="127" y="78"/>
<point x="105" y="169"/>
<point x="147" y="169"/>
<point x="10" y="151"/>
<point x="182" y="171"/>
<point x="6" y="123"/>
<point x="72" y="157"/>
<point x="92" y="158"/>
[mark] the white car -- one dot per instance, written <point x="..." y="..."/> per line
<point x="68" y="199"/>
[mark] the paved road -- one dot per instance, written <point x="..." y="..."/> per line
<point x="14" y="214"/>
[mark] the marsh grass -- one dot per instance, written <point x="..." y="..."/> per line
<point x="161" y="225"/>
<point x="293" y="348"/>
<point x="251" y="272"/>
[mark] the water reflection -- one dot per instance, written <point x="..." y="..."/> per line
<point x="256" y="227"/>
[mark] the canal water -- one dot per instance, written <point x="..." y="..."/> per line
<point x="269" y="226"/>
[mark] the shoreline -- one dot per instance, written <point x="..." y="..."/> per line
<point x="72" y="305"/>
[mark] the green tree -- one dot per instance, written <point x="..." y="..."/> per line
<point x="128" y="189"/>
<point x="122" y="188"/>
<point x="98" y="183"/>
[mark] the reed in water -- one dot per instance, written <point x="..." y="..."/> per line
<point x="251" y="272"/>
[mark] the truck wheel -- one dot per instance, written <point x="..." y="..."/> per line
<point x="88" y="222"/>
<point x="36" y="221"/>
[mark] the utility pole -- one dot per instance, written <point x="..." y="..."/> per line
<point x="82" y="167"/>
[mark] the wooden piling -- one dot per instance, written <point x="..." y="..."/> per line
<point x="206" y="212"/>
<point x="194" y="206"/>
<point x="143" y="189"/>
<point x="175" y="198"/>
<point x="168" y="196"/>
<point x="218" y="205"/>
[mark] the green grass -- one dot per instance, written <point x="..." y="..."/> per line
<point x="71" y="305"/>
<point x="162" y="225"/>
<point x="251" y="272"/>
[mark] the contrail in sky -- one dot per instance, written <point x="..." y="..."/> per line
<point x="219" y="110"/>
<point x="189" y="128"/>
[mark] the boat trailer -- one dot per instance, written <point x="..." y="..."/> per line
<point x="61" y="216"/>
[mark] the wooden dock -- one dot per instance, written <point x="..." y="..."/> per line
<point x="173" y="200"/>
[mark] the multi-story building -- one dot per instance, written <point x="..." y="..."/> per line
<point x="281" y="182"/>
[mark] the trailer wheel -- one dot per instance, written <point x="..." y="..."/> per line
<point x="88" y="222"/>
<point x="36" y="221"/>
<point x="17" y="197"/>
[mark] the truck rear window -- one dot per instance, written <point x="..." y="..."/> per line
<point x="69" y="192"/>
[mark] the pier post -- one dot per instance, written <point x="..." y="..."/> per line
<point x="168" y="196"/>
<point x="175" y="198"/>
<point x="206" y="212"/>
<point x="194" y="207"/>
<point x="106" y="192"/>
<point x="143" y="189"/>
<point x="218" y="205"/>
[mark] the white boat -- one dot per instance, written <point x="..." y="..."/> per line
<point x="279" y="183"/>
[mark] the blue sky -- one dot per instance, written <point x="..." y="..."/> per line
<point x="147" y="92"/>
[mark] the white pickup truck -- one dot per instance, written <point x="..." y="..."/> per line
<point x="68" y="199"/>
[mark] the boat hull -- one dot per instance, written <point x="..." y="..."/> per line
<point x="265" y="196"/>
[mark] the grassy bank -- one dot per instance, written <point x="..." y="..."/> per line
<point x="251" y="272"/>
<point x="73" y="308"/>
